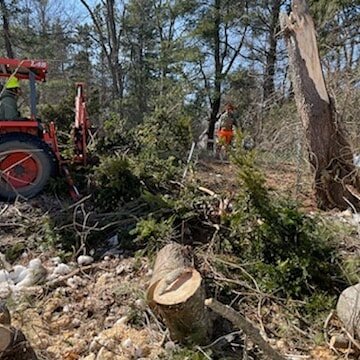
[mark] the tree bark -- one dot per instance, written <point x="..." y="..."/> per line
<point x="177" y="294"/>
<point x="336" y="179"/>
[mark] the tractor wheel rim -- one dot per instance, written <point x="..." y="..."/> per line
<point x="19" y="169"/>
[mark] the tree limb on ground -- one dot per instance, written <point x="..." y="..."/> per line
<point x="249" y="329"/>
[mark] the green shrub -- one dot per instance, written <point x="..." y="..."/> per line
<point x="114" y="183"/>
<point x="153" y="233"/>
<point x="292" y="253"/>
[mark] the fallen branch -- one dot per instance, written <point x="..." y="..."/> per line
<point x="249" y="329"/>
<point x="60" y="281"/>
<point x="207" y="191"/>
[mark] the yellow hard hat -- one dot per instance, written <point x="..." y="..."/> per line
<point x="12" y="83"/>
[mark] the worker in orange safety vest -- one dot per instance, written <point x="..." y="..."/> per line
<point x="225" y="132"/>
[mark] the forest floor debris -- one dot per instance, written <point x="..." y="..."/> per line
<point x="96" y="310"/>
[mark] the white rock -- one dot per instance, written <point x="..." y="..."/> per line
<point x="76" y="323"/>
<point x="74" y="282"/>
<point x="120" y="269"/>
<point x="348" y="308"/>
<point x="5" y="290"/>
<point x="34" y="264"/>
<point x="66" y="309"/>
<point x="140" y="304"/>
<point x="107" y="258"/>
<point x="127" y="344"/>
<point x="28" y="280"/>
<point x="356" y="160"/>
<point x="4" y="263"/>
<point x="18" y="273"/>
<point x="34" y="274"/>
<point x="85" y="260"/>
<point x="56" y="260"/>
<point x="149" y="273"/>
<point x="122" y="321"/>
<point x="170" y="346"/>
<point x="62" y="269"/>
<point x="4" y="276"/>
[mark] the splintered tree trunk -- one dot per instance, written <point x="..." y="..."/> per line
<point x="336" y="179"/>
<point x="177" y="294"/>
<point x="13" y="344"/>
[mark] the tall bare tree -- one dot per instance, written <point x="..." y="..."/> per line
<point x="336" y="179"/>
<point x="107" y="22"/>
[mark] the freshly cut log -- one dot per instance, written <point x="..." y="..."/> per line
<point x="176" y="293"/>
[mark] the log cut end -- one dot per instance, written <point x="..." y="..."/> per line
<point x="5" y="338"/>
<point x="179" y="290"/>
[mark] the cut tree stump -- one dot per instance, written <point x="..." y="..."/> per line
<point x="13" y="343"/>
<point x="177" y="294"/>
<point x="337" y="183"/>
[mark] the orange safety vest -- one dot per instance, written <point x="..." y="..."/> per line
<point x="225" y="135"/>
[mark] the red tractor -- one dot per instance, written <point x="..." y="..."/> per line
<point x="29" y="152"/>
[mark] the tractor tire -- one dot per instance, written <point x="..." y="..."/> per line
<point x="26" y="164"/>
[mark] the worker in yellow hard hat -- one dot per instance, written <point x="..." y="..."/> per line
<point x="8" y="100"/>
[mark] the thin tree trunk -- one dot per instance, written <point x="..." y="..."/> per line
<point x="110" y="45"/>
<point x="6" y="30"/>
<point x="215" y="106"/>
<point x="269" y="86"/>
<point x="336" y="180"/>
